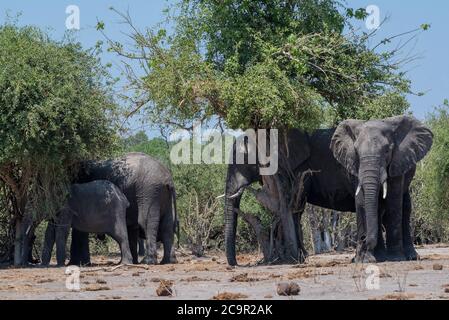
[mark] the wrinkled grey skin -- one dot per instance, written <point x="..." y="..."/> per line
<point x="148" y="186"/>
<point x="375" y="152"/>
<point x="329" y="186"/>
<point x="94" y="207"/>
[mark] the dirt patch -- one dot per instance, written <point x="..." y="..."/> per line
<point x="325" y="276"/>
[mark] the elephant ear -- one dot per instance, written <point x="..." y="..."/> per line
<point x="412" y="142"/>
<point x="342" y="145"/>
<point x="298" y="147"/>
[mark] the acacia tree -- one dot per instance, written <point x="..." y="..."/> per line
<point x="55" y="110"/>
<point x="262" y="64"/>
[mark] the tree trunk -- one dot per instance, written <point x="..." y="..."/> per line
<point x="281" y="193"/>
<point x="19" y="233"/>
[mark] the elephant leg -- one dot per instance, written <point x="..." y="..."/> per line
<point x="141" y="244"/>
<point x="121" y="236"/>
<point x="362" y="254"/>
<point x="380" y="251"/>
<point x="49" y="242"/>
<point x="61" y="241"/>
<point x="409" y="249"/>
<point x="151" y="230"/>
<point x="133" y="236"/>
<point x="393" y="220"/>
<point x="79" y="248"/>
<point x="167" y="238"/>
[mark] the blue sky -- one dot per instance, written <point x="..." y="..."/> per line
<point x="430" y="74"/>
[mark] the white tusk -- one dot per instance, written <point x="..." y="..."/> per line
<point x="385" y="190"/>
<point x="238" y="193"/>
<point x="222" y="196"/>
<point x="358" y="190"/>
<point x="28" y="230"/>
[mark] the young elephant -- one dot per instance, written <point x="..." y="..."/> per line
<point x="382" y="156"/>
<point x="94" y="207"/>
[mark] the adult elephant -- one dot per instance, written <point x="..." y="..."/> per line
<point x="149" y="188"/>
<point x="327" y="186"/>
<point x="384" y="153"/>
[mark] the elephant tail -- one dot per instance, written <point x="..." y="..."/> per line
<point x="175" y="212"/>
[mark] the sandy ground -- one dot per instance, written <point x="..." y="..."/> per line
<point x="326" y="276"/>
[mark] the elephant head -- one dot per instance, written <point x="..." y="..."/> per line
<point x="375" y="150"/>
<point x="240" y="176"/>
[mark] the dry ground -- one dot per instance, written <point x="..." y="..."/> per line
<point x="326" y="276"/>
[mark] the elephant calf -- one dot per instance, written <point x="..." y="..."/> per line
<point x="94" y="207"/>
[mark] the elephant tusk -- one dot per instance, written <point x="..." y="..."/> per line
<point x="358" y="189"/>
<point x="222" y="196"/>
<point x="28" y="230"/>
<point x="384" y="190"/>
<point x="237" y="194"/>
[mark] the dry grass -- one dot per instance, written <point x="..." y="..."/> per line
<point x="165" y="288"/>
<point x="229" y="296"/>
<point x="243" y="277"/>
<point x="45" y="280"/>
<point x="396" y="296"/>
<point x="96" y="287"/>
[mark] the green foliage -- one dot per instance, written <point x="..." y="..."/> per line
<point x="55" y="110"/>
<point x="263" y="64"/>
<point x="431" y="185"/>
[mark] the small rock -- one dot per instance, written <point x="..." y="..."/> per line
<point x="165" y="288"/>
<point x="437" y="266"/>
<point x="288" y="289"/>
<point x="229" y="268"/>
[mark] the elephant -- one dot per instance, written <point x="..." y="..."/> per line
<point x="327" y="186"/>
<point x="96" y="207"/>
<point x="149" y="187"/>
<point x="330" y="185"/>
<point x="383" y="153"/>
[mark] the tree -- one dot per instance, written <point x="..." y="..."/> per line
<point x="55" y="110"/>
<point x="134" y="140"/>
<point x="263" y="64"/>
<point x="430" y="189"/>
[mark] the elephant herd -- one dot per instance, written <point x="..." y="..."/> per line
<point x="128" y="198"/>
<point x="361" y="166"/>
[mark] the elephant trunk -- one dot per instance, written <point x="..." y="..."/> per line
<point x="370" y="180"/>
<point x="231" y="224"/>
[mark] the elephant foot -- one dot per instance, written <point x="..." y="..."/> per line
<point x="395" y="256"/>
<point x="79" y="263"/>
<point x="126" y="261"/>
<point x="380" y="255"/>
<point x="364" y="257"/>
<point x="171" y="260"/>
<point x="149" y="260"/>
<point x="411" y="254"/>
